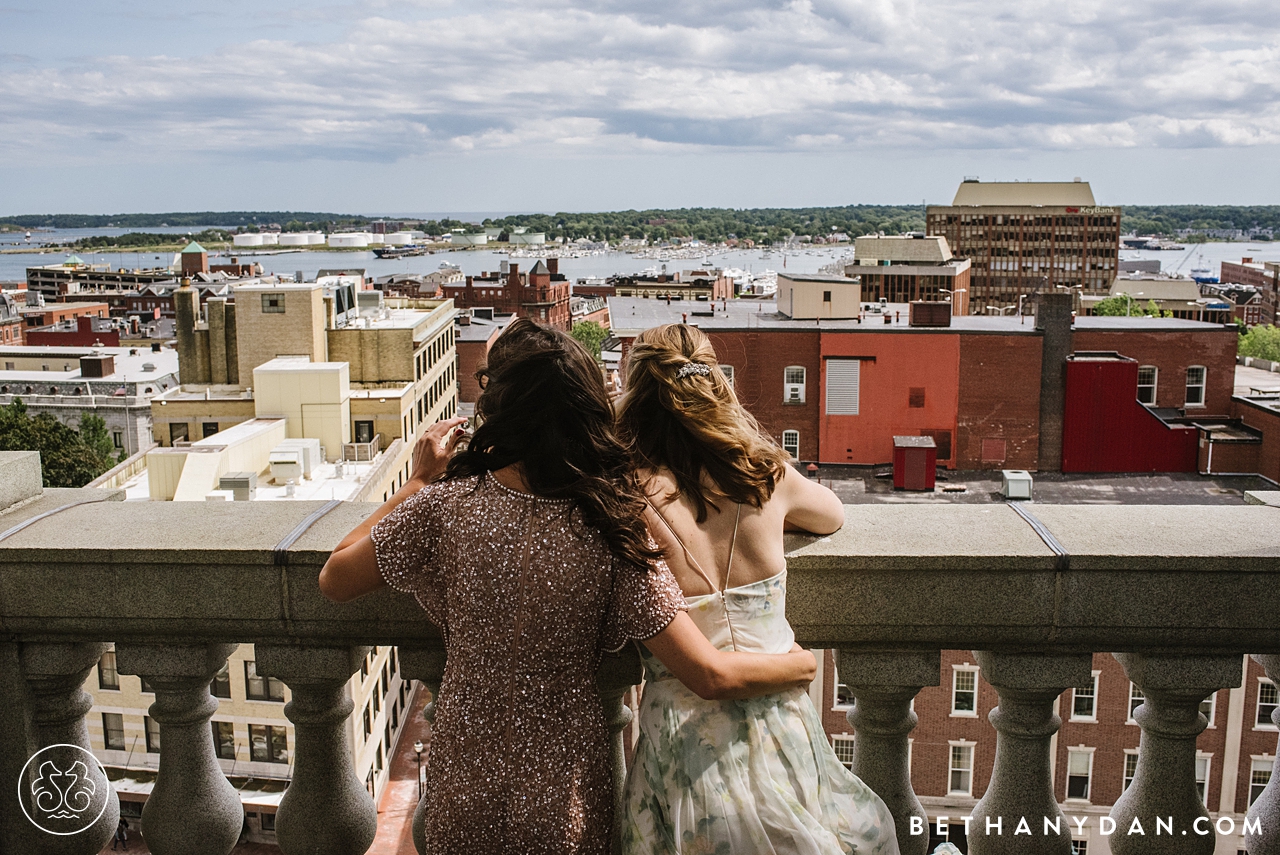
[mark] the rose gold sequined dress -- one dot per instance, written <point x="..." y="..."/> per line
<point x="526" y="597"/>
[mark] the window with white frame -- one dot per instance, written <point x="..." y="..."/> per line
<point x="791" y="443"/>
<point x="1267" y="703"/>
<point x="843" y="745"/>
<point x="964" y="691"/>
<point x="793" y="384"/>
<point x="1259" y="776"/>
<point x="1130" y="767"/>
<point x="1208" y="707"/>
<point x="1147" y="375"/>
<point x="727" y="371"/>
<point x="1135" y="700"/>
<point x="1195" y="386"/>
<point x="843" y="377"/>
<point x="1202" y="776"/>
<point x="960" y="779"/>
<point x="1079" y="847"/>
<point x="1084" y="701"/>
<point x="1079" y="771"/>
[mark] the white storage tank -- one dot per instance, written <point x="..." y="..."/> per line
<point x="270" y="238"/>
<point x="400" y="238"/>
<point x="296" y="239"/>
<point x="251" y="239"/>
<point x="315" y="239"/>
<point x="349" y="240"/>
<point x="377" y="240"/>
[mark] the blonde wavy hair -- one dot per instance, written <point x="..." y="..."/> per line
<point x="679" y="412"/>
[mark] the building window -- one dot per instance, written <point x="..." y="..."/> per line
<point x="220" y="685"/>
<point x="224" y="739"/>
<point x="268" y="744"/>
<point x="727" y="371"/>
<point x="1259" y="777"/>
<point x="842" y="386"/>
<point x="793" y="385"/>
<point x="1267" y="702"/>
<point x="961" y="769"/>
<point x="108" y="676"/>
<point x="1079" y="847"/>
<point x="915" y="397"/>
<point x="152" y="728"/>
<point x="1084" y="701"/>
<point x="964" y="692"/>
<point x="791" y="443"/>
<point x="113" y="731"/>
<point x="1147" y="385"/>
<point x="208" y="429"/>
<point x="1135" y="700"/>
<point x="273" y="304"/>
<point x="843" y="744"/>
<point x="1202" y="777"/>
<point x="267" y="822"/>
<point x="364" y="431"/>
<point x="1079" y="767"/>
<point x="117" y="439"/>
<point x="1195" y="386"/>
<point x="177" y="432"/>
<point x="1207" y="708"/>
<point x="261" y="688"/>
<point x="1130" y="768"/>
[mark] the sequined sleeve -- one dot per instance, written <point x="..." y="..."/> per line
<point x="405" y="542"/>
<point x="645" y="600"/>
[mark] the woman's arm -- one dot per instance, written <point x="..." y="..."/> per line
<point x="352" y="568"/>
<point x="725" y="674"/>
<point x="810" y="506"/>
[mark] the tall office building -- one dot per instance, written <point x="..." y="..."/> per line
<point x="1028" y="237"/>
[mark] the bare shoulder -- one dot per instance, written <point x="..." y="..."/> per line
<point x="808" y="505"/>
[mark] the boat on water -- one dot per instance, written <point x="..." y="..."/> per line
<point x="409" y="251"/>
<point x="1202" y="273"/>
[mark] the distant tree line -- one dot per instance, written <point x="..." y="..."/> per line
<point x="130" y="239"/>
<point x="225" y="219"/>
<point x="1167" y="219"/>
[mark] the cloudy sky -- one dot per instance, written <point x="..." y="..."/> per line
<point x="437" y="106"/>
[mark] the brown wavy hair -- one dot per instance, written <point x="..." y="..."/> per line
<point x="544" y="407"/>
<point x="694" y="425"/>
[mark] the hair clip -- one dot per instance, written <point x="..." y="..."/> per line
<point x="693" y="368"/>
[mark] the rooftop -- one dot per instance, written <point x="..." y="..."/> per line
<point x="914" y="249"/>
<point x="130" y="363"/>
<point x="630" y="315"/>
<point x="1024" y="193"/>
<point x="1156" y="286"/>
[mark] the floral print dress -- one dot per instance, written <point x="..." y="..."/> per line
<point x="751" y="776"/>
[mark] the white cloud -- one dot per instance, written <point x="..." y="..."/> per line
<point x="437" y="76"/>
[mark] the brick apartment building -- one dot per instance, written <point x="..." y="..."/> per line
<point x="906" y="268"/>
<point x="1094" y="753"/>
<point x="541" y="294"/>
<point x="705" y="283"/>
<point x="837" y="390"/>
<point x="1263" y="276"/>
<point x="1025" y="238"/>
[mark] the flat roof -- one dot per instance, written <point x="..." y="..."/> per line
<point x="128" y="368"/>
<point x="630" y="315"/>
<point x="1024" y="193"/>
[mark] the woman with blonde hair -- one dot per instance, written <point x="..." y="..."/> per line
<point x="729" y="776"/>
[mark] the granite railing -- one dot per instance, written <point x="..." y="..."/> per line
<point x="1179" y="593"/>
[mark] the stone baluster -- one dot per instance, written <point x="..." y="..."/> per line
<point x="1266" y="810"/>
<point x="1164" y="785"/>
<point x="54" y="674"/>
<point x="618" y="674"/>
<point x="193" y="809"/>
<point x="1021" y="786"/>
<point x="427" y="666"/>
<point x="326" y="810"/>
<point x="883" y="685"/>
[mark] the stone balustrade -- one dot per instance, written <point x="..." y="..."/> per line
<point x="1180" y="593"/>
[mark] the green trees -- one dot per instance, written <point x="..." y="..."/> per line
<point x="1261" y="342"/>
<point x="1123" y="305"/>
<point x="591" y="334"/>
<point x="69" y="458"/>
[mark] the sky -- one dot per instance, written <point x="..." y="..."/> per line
<point x="385" y="107"/>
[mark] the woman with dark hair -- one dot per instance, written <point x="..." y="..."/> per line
<point x="529" y="551"/>
<point x="715" y="775"/>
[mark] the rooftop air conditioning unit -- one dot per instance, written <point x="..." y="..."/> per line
<point x="1016" y="484"/>
<point x="795" y="393"/>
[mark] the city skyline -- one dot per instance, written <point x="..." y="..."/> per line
<point x="547" y="105"/>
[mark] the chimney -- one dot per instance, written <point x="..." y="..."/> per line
<point x="553" y="265"/>
<point x="513" y="275"/>
<point x="464" y="319"/>
<point x="1053" y="319"/>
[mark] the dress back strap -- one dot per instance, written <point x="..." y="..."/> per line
<point x="693" y="562"/>
<point x="733" y="542"/>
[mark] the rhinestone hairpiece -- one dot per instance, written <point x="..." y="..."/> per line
<point x="693" y="368"/>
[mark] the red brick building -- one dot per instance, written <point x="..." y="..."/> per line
<point x="474" y="334"/>
<point x="83" y="331"/>
<point x="1264" y="276"/>
<point x="541" y="294"/>
<point x="836" y="391"/>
